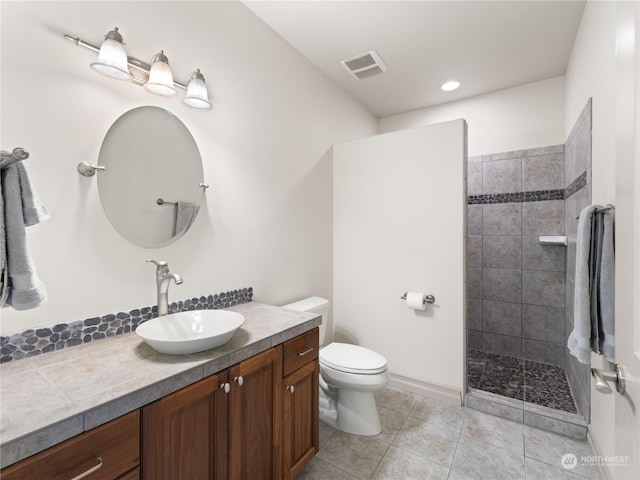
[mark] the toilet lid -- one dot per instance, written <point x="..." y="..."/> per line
<point x="352" y="359"/>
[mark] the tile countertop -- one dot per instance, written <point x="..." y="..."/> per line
<point x="49" y="398"/>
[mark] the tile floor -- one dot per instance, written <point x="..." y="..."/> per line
<point x="423" y="439"/>
<point x="533" y="382"/>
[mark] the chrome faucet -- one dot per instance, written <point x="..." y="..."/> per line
<point x="163" y="278"/>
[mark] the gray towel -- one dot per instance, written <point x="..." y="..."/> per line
<point x="4" y="271"/>
<point x="24" y="288"/>
<point x="185" y="213"/>
<point x="607" y="289"/>
<point x="595" y="259"/>
<point x="579" y="342"/>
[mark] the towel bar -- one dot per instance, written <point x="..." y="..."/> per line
<point x="16" y="155"/>
<point x="606" y="208"/>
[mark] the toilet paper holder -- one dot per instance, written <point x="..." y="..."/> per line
<point x="427" y="298"/>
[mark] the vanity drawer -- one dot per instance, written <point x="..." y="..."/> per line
<point x="299" y="351"/>
<point x="116" y="444"/>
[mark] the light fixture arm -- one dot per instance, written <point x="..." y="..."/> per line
<point x="141" y="68"/>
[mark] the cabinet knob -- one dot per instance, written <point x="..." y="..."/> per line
<point x="239" y="380"/>
<point x="291" y="388"/>
<point x="226" y="387"/>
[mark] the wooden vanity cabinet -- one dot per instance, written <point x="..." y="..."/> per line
<point x="225" y="426"/>
<point x="300" y="436"/>
<point x="185" y="433"/>
<point x="111" y="451"/>
<point x="256" y="420"/>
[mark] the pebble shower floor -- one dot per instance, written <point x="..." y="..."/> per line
<point x="521" y="379"/>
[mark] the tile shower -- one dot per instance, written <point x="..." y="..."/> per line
<point x="519" y="292"/>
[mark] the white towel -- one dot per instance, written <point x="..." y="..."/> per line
<point x="579" y="340"/>
<point x="24" y="288"/>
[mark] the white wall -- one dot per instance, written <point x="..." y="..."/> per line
<point x="266" y="149"/>
<point x="517" y="118"/>
<point x="399" y="223"/>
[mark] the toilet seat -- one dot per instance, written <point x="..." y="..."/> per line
<point x="349" y="358"/>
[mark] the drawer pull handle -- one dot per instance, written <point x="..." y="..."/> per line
<point x="226" y="387"/>
<point x="90" y="471"/>
<point x="291" y="388"/>
<point x="308" y="350"/>
<point x="239" y="380"/>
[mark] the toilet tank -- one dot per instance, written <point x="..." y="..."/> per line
<point x="314" y="305"/>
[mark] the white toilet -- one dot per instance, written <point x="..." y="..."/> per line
<point x="349" y="374"/>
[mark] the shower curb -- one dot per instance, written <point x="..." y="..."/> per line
<point x="564" y="423"/>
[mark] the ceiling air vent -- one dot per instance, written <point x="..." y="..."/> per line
<point x="364" y="65"/>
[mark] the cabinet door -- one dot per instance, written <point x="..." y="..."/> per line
<point x="255" y="417"/>
<point x="300" y="418"/>
<point x="185" y="433"/>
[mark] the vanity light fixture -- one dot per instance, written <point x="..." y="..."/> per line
<point x="155" y="77"/>
<point x="197" y="96"/>
<point x="160" y="77"/>
<point x="112" y="58"/>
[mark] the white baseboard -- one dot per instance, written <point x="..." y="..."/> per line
<point x="448" y="395"/>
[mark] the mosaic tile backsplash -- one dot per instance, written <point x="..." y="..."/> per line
<point x="32" y="342"/>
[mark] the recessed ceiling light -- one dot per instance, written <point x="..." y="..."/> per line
<point x="447" y="87"/>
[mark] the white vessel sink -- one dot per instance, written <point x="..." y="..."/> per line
<point x="190" y="332"/>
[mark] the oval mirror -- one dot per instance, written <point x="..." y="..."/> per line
<point x="151" y="187"/>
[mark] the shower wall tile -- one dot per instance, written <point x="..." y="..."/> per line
<point x="474" y="179"/>
<point x="543" y="352"/>
<point x="502" y="176"/>
<point x="502" y="344"/>
<point x="474" y="159"/>
<point x="543" y="172"/>
<point x="474" y="251"/>
<point x="502" y="219"/>
<point x="502" y="285"/>
<point x="474" y="282"/>
<point x="474" y="219"/>
<point x="543" y="323"/>
<point x="578" y="146"/>
<point x="543" y="150"/>
<point x="542" y="257"/>
<point x="543" y="288"/>
<point x="502" y="252"/>
<point x="474" y="314"/>
<point x="502" y="156"/>
<point x="474" y="340"/>
<point x="501" y="317"/>
<point x="543" y="218"/>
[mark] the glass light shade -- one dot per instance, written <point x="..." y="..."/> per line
<point x="160" y="77"/>
<point x="112" y="60"/>
<point x="197" y="96"/>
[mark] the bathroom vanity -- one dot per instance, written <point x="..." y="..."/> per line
<point x="248" y="409"/>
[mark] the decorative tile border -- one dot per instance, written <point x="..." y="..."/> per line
<point x="576" y="185"/>
<point x="32" y="342"/>
<point x="516" y="197"/>
<point x="533" y="196"/>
